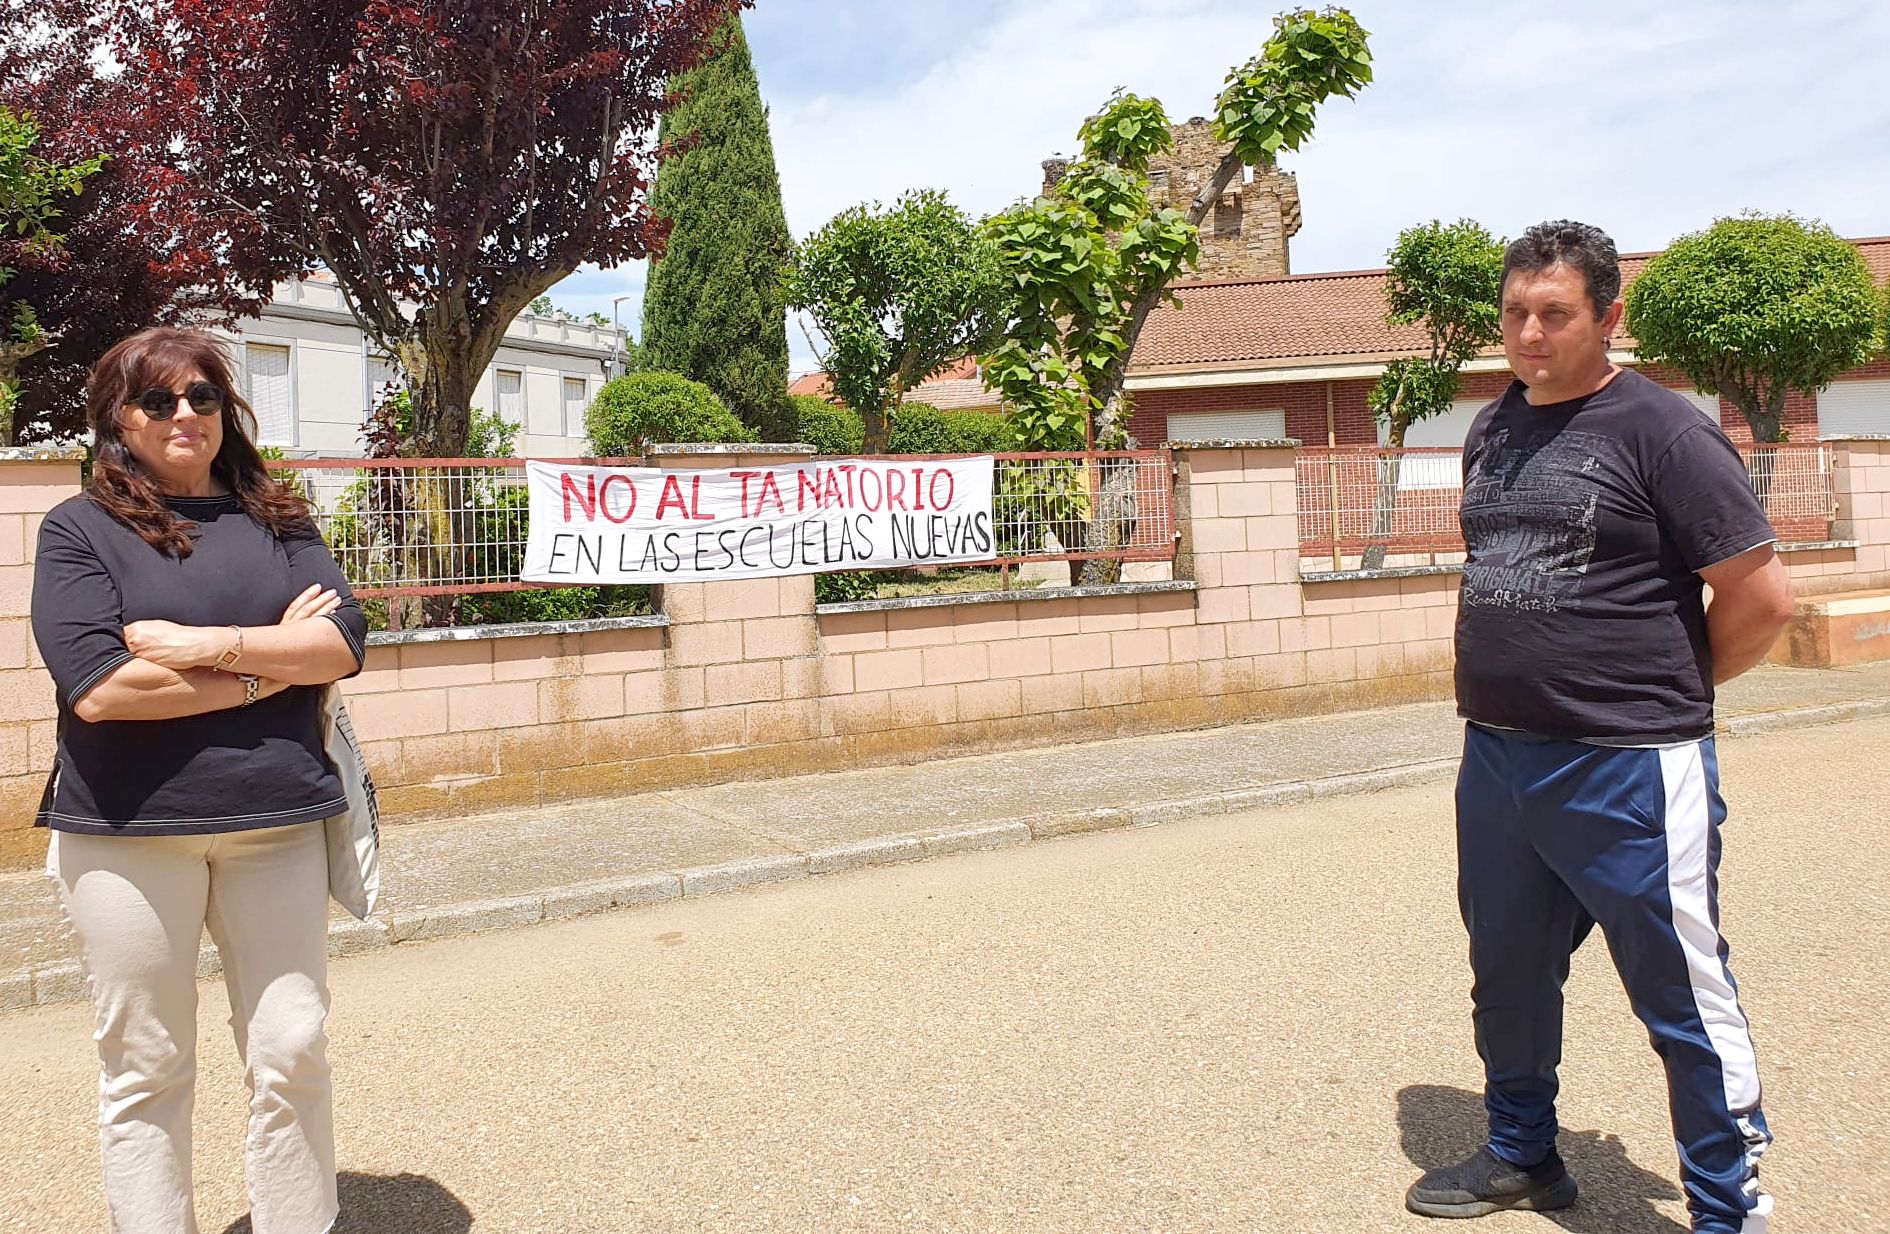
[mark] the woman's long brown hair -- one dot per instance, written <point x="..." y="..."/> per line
<point x="157" y="358"/>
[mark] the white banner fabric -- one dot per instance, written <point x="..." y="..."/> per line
<point x="645" y="525"/>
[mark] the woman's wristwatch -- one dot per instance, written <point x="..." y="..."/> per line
<point x="251" y="682"/>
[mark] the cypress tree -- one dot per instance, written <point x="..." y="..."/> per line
<point x="715" y="309"/>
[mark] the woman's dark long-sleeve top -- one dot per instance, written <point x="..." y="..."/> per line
<point x="232" y="770"/>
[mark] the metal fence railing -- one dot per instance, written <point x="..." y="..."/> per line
<point x="1796" y="485"/>
<point x="1359" y="499"/>
<point x="1355" y="497"/>
<point x="412" y="528"/>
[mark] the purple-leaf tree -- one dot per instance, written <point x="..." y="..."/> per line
<point x="446" y="162"/>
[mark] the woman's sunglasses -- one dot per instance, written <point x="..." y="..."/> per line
<point x="161" y="404"/>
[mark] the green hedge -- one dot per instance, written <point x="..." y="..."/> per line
<point x="827" y="427"/>
<point x="920" y="428"/>
<point x="657" y="407"/>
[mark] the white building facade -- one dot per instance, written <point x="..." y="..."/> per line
<point x="310" y="370"/>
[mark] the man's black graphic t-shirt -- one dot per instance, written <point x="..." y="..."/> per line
<point x="1582" y="615"/>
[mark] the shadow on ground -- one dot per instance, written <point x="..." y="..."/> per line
<point x="393" y="1204"/>
<point x="1438" y="1125"/>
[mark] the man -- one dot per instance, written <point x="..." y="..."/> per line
<point x="1597" y="507"/>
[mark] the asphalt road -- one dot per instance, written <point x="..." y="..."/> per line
<point x="1251" y="1023"/>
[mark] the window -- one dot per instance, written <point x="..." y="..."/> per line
<point x="383" y="379"/>
<point x="266" y="382"/>
<point x="512" y="396"/>
<point x="1226" y="425"/>
<point x="1707" y="403"/>
<point x="1227" y="217"/>
<point x="1858" y="407"/>
<point x="575" y="401"/>
<point x="1446" y="431"/>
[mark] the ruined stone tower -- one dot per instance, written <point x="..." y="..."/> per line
<point x="1246" y="234"/>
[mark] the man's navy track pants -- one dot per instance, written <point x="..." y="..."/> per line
<point x="1555" y="837"/>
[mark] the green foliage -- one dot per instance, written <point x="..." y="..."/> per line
<point x="31" y="185"/>
<point x="898" y="294"/>
<point x="1268" y="103"/>
<point x="1411" y="389"/>
<point x="1127" y="133"/>
<point x="491" y="436"/>
<point x="1755" y="307"/>
<point x="828" y="428"/>
<point x="1449" y="278"/>
<point x="716" y="309"/>
<point x="920" y="428"/>
<point x="1088" y="262"/>
<point x="845" y="586"/>
<point x="660" y="408"/>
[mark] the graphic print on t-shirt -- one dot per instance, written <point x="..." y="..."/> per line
<point x="1529" y="504"/>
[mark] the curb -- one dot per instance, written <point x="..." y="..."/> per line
<point x="1801" y="717"/>
<point x="63" y="982"/>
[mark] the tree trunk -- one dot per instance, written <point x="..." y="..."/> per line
<point x="1108" y="391"/>
<point x="438" y="528"/>
<point x="1385" y="508"/>
<point x="878" y="430"/>
<point x="1767" y="423"/>
<point x="1112" y="503"/>
<point x="1112" y="508"/>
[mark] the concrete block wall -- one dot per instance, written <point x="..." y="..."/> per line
<point x="32" y="482"/>
<point x="1862" y="481"/>
<point x="748" y="678"/>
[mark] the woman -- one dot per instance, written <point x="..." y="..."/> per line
<point x="190" y="614"/>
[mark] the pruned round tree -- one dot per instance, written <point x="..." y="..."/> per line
<point x="1446" y="277"/>
<point x="897" y="294"/>
<point x="1754" y="308"/>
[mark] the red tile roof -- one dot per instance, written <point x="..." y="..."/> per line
<point x="1303" y="319"/>
<point x="955" y="386"/>
<point x="811" y="383"/>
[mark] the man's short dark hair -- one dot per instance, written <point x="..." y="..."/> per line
<point x="1576" y="245"/>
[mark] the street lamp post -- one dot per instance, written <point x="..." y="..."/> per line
<point x="617" y="325"/>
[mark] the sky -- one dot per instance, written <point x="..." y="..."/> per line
<point x="1649" y="121"/>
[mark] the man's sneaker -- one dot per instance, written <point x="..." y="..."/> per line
<point x="1488" y="1184"/>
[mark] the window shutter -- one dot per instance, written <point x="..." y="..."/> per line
<point x="512" y="397"/>
<point x="1226" y="425"/>
<point x="575" y="401"/>
<point x="1854" y="408"/>
<point x="266" y="372"/>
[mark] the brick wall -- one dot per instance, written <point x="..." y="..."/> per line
<point x="1305" y="405"/>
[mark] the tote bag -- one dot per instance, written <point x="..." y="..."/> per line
<point x="354" y="836"/>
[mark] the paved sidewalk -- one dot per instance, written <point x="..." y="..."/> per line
<point x="454" y="876"/>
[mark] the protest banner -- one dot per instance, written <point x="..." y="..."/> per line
<point x="645" y="525"/>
